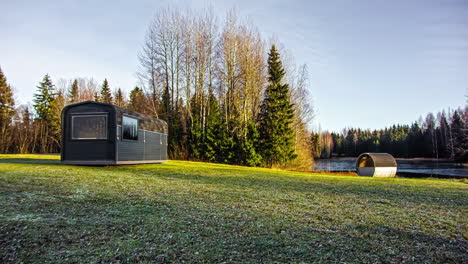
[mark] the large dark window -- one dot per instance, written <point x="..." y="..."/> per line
<point x="129" y="128"/>
<point x="89" y="127"/>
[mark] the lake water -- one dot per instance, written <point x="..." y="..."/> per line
<point x="419" y="166"/>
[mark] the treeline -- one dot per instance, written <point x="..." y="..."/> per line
<point x="441" y="136"/>
<point x="223" y="99"/>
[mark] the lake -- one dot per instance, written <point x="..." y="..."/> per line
<point x="429" y="167"/>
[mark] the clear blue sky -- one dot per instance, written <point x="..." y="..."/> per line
<point x="371" y="63"/>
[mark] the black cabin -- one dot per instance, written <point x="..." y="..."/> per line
<point x="95" y="133"/>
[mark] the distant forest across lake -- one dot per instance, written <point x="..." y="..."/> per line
<point x="444" y="135"/>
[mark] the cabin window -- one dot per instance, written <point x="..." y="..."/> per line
<point x="89" y="127"/>
<point x="129" y="128"/>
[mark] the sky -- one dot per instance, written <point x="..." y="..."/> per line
<point x="371" y="63"/>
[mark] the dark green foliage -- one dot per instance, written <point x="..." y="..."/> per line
<point x="459" y="132"/>
<point x="48" y="105"/>
<point x="196" y="140"/>
<point x="214" y="132"/>
<point x="43" y="99"/>
<point x="73" y="93"/>
<point x="248" y="147"/>
<point x="119" y="98"/>
<point x="137" y="100"/>
<point x="433" y="138"/>
<point x="315" y="143"/>
<point x="276" y="134"/>
<point x="106" y="95"/>
<point x="96" y="97"/>
<point x="7" y="110"/>
<point x="7" y="102"/>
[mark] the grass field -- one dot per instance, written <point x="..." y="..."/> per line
<point x="207" y="213"/>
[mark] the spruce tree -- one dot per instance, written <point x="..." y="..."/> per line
<point x="7" y="110"/>
<point x="276" y="114"/>
<point x="137" y="100"/>
<point x="7" y="103"/>
<point x="57" y="105"/>
<point x="459" y="142"/>
<point x="106" y="95"/>
<point x="43" y="98"/>
<point x="214" y="128"/>
<point x="97" y="98"/>
<point x="119" y="98"/>
<point x="44" y="107"/>
<point x="73" y="93"/>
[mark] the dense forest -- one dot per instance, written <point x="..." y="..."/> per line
<point x="442" y="136"/>
<point x="227" y="95"/>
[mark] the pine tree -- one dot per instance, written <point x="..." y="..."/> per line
<point x="7" y="110"/>
<point x="44" y="107"/>
<point x="73" y="93"/>
<point x="249" y="154"/>
<point x="119" y="98"/>
<point x="43" y="98"/>
<point x="213" y="141"/>
<point x="459" y="132"/>
<point x="137" y="100"/>
<point x="276" y="114"/>
<point x="57" y="105"/>
<point x="97" y="98"/>
<point x="315" y="143"/>
<point x="106" y="95"/>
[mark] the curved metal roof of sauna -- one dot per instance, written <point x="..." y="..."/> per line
<point x="146" y="122"/>
<point x="376" y="160"/>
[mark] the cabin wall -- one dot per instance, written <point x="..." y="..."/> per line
<point x="88" y="151"/>
<point x="150" y="147"/>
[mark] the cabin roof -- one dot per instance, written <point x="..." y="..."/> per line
<point x="376" y="160"/>
<point x="146" y="122"/>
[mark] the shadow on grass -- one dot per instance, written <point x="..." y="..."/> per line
<point x="374" y="189"/>
<point x="160" y="230"/>
<point x="30" y="161"/>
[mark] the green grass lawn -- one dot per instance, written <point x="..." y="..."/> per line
<point x="207" y="213"/>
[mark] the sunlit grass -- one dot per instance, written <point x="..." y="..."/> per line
<point x="208" y="213"/>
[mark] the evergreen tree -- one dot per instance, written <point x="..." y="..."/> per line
<point x="137" y="100"/>
<point x="97" y="98"/>
<point x="7" y="110"/>
<point x="57" y="105"/>
<point x="250" y="146"/>
<point x="119" y="98"/>
<point x="43" y="99"/>
<point x="315" y="143"/>
<point x="214" y="128"/>
<point x="276" y="114"/>
<point x="44" y="107"/>
<point x="106" y="95"/>
<point x="73" y="93"/>
<point x="459" y="132"/>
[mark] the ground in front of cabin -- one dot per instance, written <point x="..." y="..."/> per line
<point x="208" y="213"/>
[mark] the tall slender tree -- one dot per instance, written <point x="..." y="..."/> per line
<point x="119" y="98"/>
<point x="7" y="110"/>
<point x="276" y="114"/>
<point x="138" y="100"/>
<point x="106" y="95"/>
<point x="73" y="92"/>
<point x="459" y="132"/>
<point x="43" y="98"/>
<point x="43" y="105"/>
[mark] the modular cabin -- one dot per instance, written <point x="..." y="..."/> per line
<point x="95" y="133"/>
<point x="376" y="165"/>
